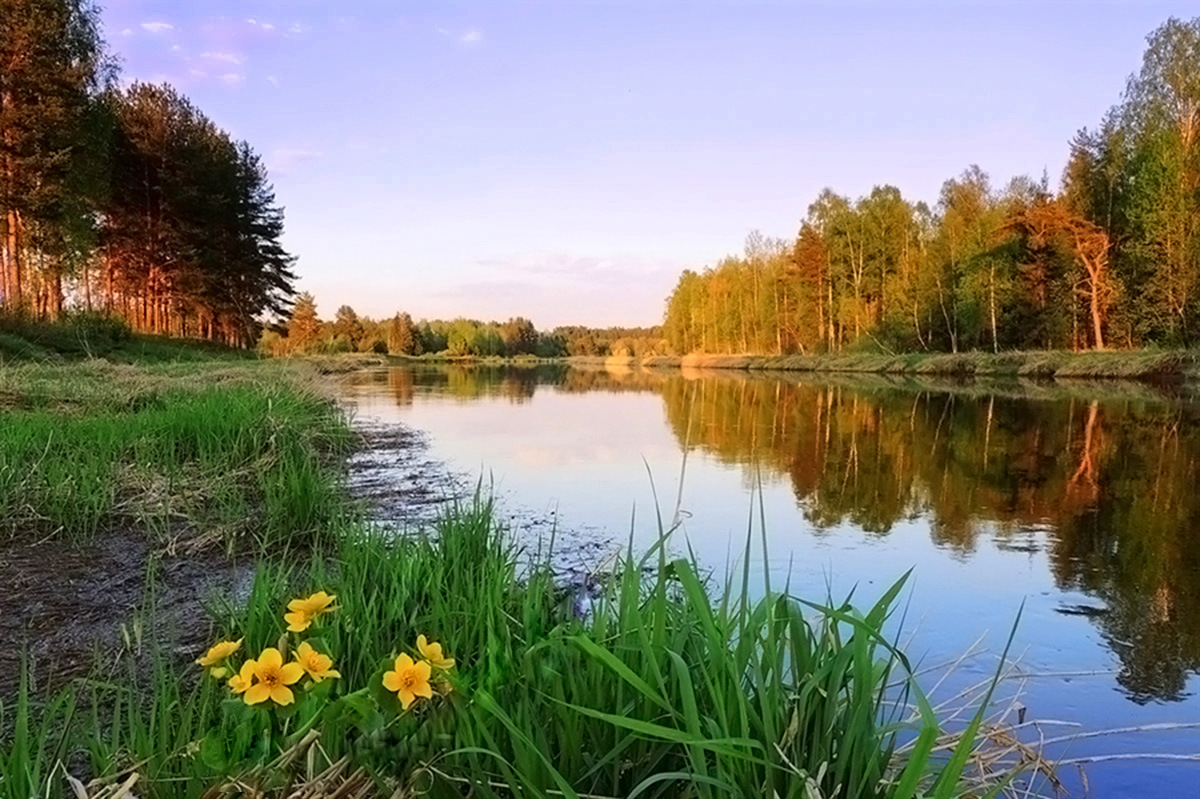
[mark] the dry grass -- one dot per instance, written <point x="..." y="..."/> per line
<point x="1144" y="365"/>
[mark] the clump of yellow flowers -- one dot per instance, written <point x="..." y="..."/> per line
<point x="270" y="678"/>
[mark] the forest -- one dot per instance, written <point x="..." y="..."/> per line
<point x="1109" y="260"/>
<point x="127" y="202"/>
<point x="305" y="333"/>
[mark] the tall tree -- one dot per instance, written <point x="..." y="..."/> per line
<point x="402" y="335"/>
<point x="51" y="63"/>
<point x="304" y="327"/>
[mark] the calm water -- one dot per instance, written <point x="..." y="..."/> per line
<point x="1083" y="501"/>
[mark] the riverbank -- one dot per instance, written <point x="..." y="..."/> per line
<point x="632" y="685"/>
<point x="1147" y="365"/>
<point x="1139" y="365"/>
<point x="656" y="684"/>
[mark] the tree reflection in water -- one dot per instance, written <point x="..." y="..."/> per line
<point x="1107" y="472"/>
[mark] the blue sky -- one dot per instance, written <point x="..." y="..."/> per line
<point x="566" y="160"/>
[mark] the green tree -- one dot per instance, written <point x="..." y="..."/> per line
<point x="304" y="326"/>
<point x="520" y="336"/>
<point x="51" y="63"/>
<point x="348" y="326"/>
<point x="402" y="335"/>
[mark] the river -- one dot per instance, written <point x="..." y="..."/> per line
<point x="1078" y="502"/>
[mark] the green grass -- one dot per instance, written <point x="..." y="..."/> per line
<point x="82" y="335"/>
<point x="662" y="689"/>
<point x="195" y="450"/>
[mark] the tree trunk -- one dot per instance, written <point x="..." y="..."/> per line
<point x="1094" y="302"/>
<point x="992" y="292"/>
<point x="16" y="289"/>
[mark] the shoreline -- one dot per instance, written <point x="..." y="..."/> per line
<point x="1137" y="365"/>
<point x="1141" y="365"/>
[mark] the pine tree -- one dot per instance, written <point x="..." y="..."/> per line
<point x="51" y="62"/>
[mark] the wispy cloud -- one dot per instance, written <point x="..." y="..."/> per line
<point x="466" y="37"/>
<point x="223" y="57"/>
<point x="233" y="79"/>
<point x="271" y="79"/>
<point x="157" y="27"/>
<point x="266" y="26"/>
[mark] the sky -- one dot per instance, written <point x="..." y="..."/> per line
<point x="565" y="161"/>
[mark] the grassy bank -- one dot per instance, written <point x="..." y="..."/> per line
<point x="211" y="450"/>
<point x="1146" y="365"/>
<point x="85" y="336"/>
<point x="655" y="690"/>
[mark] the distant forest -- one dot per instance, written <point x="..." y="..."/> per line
<point x="129" y="203"/>
<point x="305" y="333"/>
<point x="1110" y="260"/>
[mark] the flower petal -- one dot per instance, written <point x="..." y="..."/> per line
<point x="297" y="622"/>
<point x="290" y="673"/>
<point x="423" y="689"/>
<point x="391" y="681"/>
<point x="406" y="698"/>
<point x="282" y="695"/>
<point x="270" y="659"/>
<point x="256" y="694"/>
<point x="423" y="670"/>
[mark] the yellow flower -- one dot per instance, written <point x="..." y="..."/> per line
<point x="409" y="680"/>
<point x="274" y="677"/>
<point x="433" y="653"/>
<point x="304" y="611"/>
<point x="219" y="652"/>
<point x="239" y="682"/>
<point x="317" y="666"/>
<point x="219" y="672"/>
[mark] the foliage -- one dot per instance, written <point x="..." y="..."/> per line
<point x="132" y="202"/>
<point x="653" y="687"/>
<point x="53" y="67"/>
<point x="1112" y="260"/>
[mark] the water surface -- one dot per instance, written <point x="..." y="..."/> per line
<point x="1080" y="501"/>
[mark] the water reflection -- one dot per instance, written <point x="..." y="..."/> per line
<point x="1108" y="473"/>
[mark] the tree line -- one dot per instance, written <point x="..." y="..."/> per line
<point x="306" y="333"/>
<point x="1110" y="259"/>
<point x="128" y="202"/>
